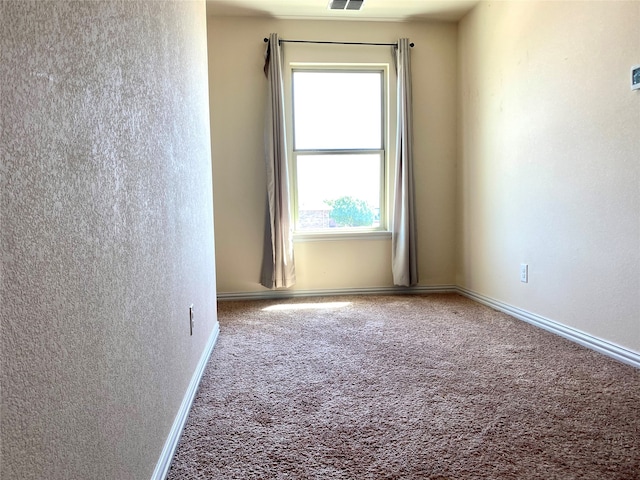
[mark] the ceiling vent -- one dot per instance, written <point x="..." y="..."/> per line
<point x="345" y="4"/>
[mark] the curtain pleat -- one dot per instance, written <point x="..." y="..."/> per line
<point x="403" y="229"/>
<point x="278" y="269"/>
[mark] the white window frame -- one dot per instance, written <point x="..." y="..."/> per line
<point x="343" y="233"/>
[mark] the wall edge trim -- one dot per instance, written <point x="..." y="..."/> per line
<point x="586" y="340"/>
<point x="272" y="294"/>
<point x="164" y="462"/>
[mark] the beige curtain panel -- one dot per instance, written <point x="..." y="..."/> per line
<point x="404" y="259"/>
<point x="278" y="269"/>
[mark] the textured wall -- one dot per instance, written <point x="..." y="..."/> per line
<point x="238" y="91"/>
<point x="106" y="228"/>
<point x="549" y="171"/>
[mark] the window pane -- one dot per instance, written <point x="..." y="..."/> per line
<point x="337" y="110"/>
<point x="338" y="191"/>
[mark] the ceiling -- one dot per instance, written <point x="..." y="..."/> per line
<point x="372" y="10"/>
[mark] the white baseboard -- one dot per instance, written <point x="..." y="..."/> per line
<point x="269" y="294"/>
<point x="614" y="351"/>
<point x="170" y="445"/>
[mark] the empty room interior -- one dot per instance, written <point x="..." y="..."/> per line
<point x="135" y="182"/>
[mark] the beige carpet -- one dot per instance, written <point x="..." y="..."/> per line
<point x="415" y="387"/>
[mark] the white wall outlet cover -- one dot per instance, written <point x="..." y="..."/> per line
<point x="635" y="77"/>
<point x="524" y="273"/>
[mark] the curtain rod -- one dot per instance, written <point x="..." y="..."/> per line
<point x="338" y="43"/>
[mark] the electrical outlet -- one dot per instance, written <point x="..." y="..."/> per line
<point x="191" y="320"/>
<point x="524" y="273"/>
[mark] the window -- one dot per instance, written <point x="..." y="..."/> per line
<point x="339" y="149"/>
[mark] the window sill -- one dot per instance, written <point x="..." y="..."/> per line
<point x="340" y="236"/>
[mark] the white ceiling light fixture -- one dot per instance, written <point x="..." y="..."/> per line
<point x="345" y="4"/>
